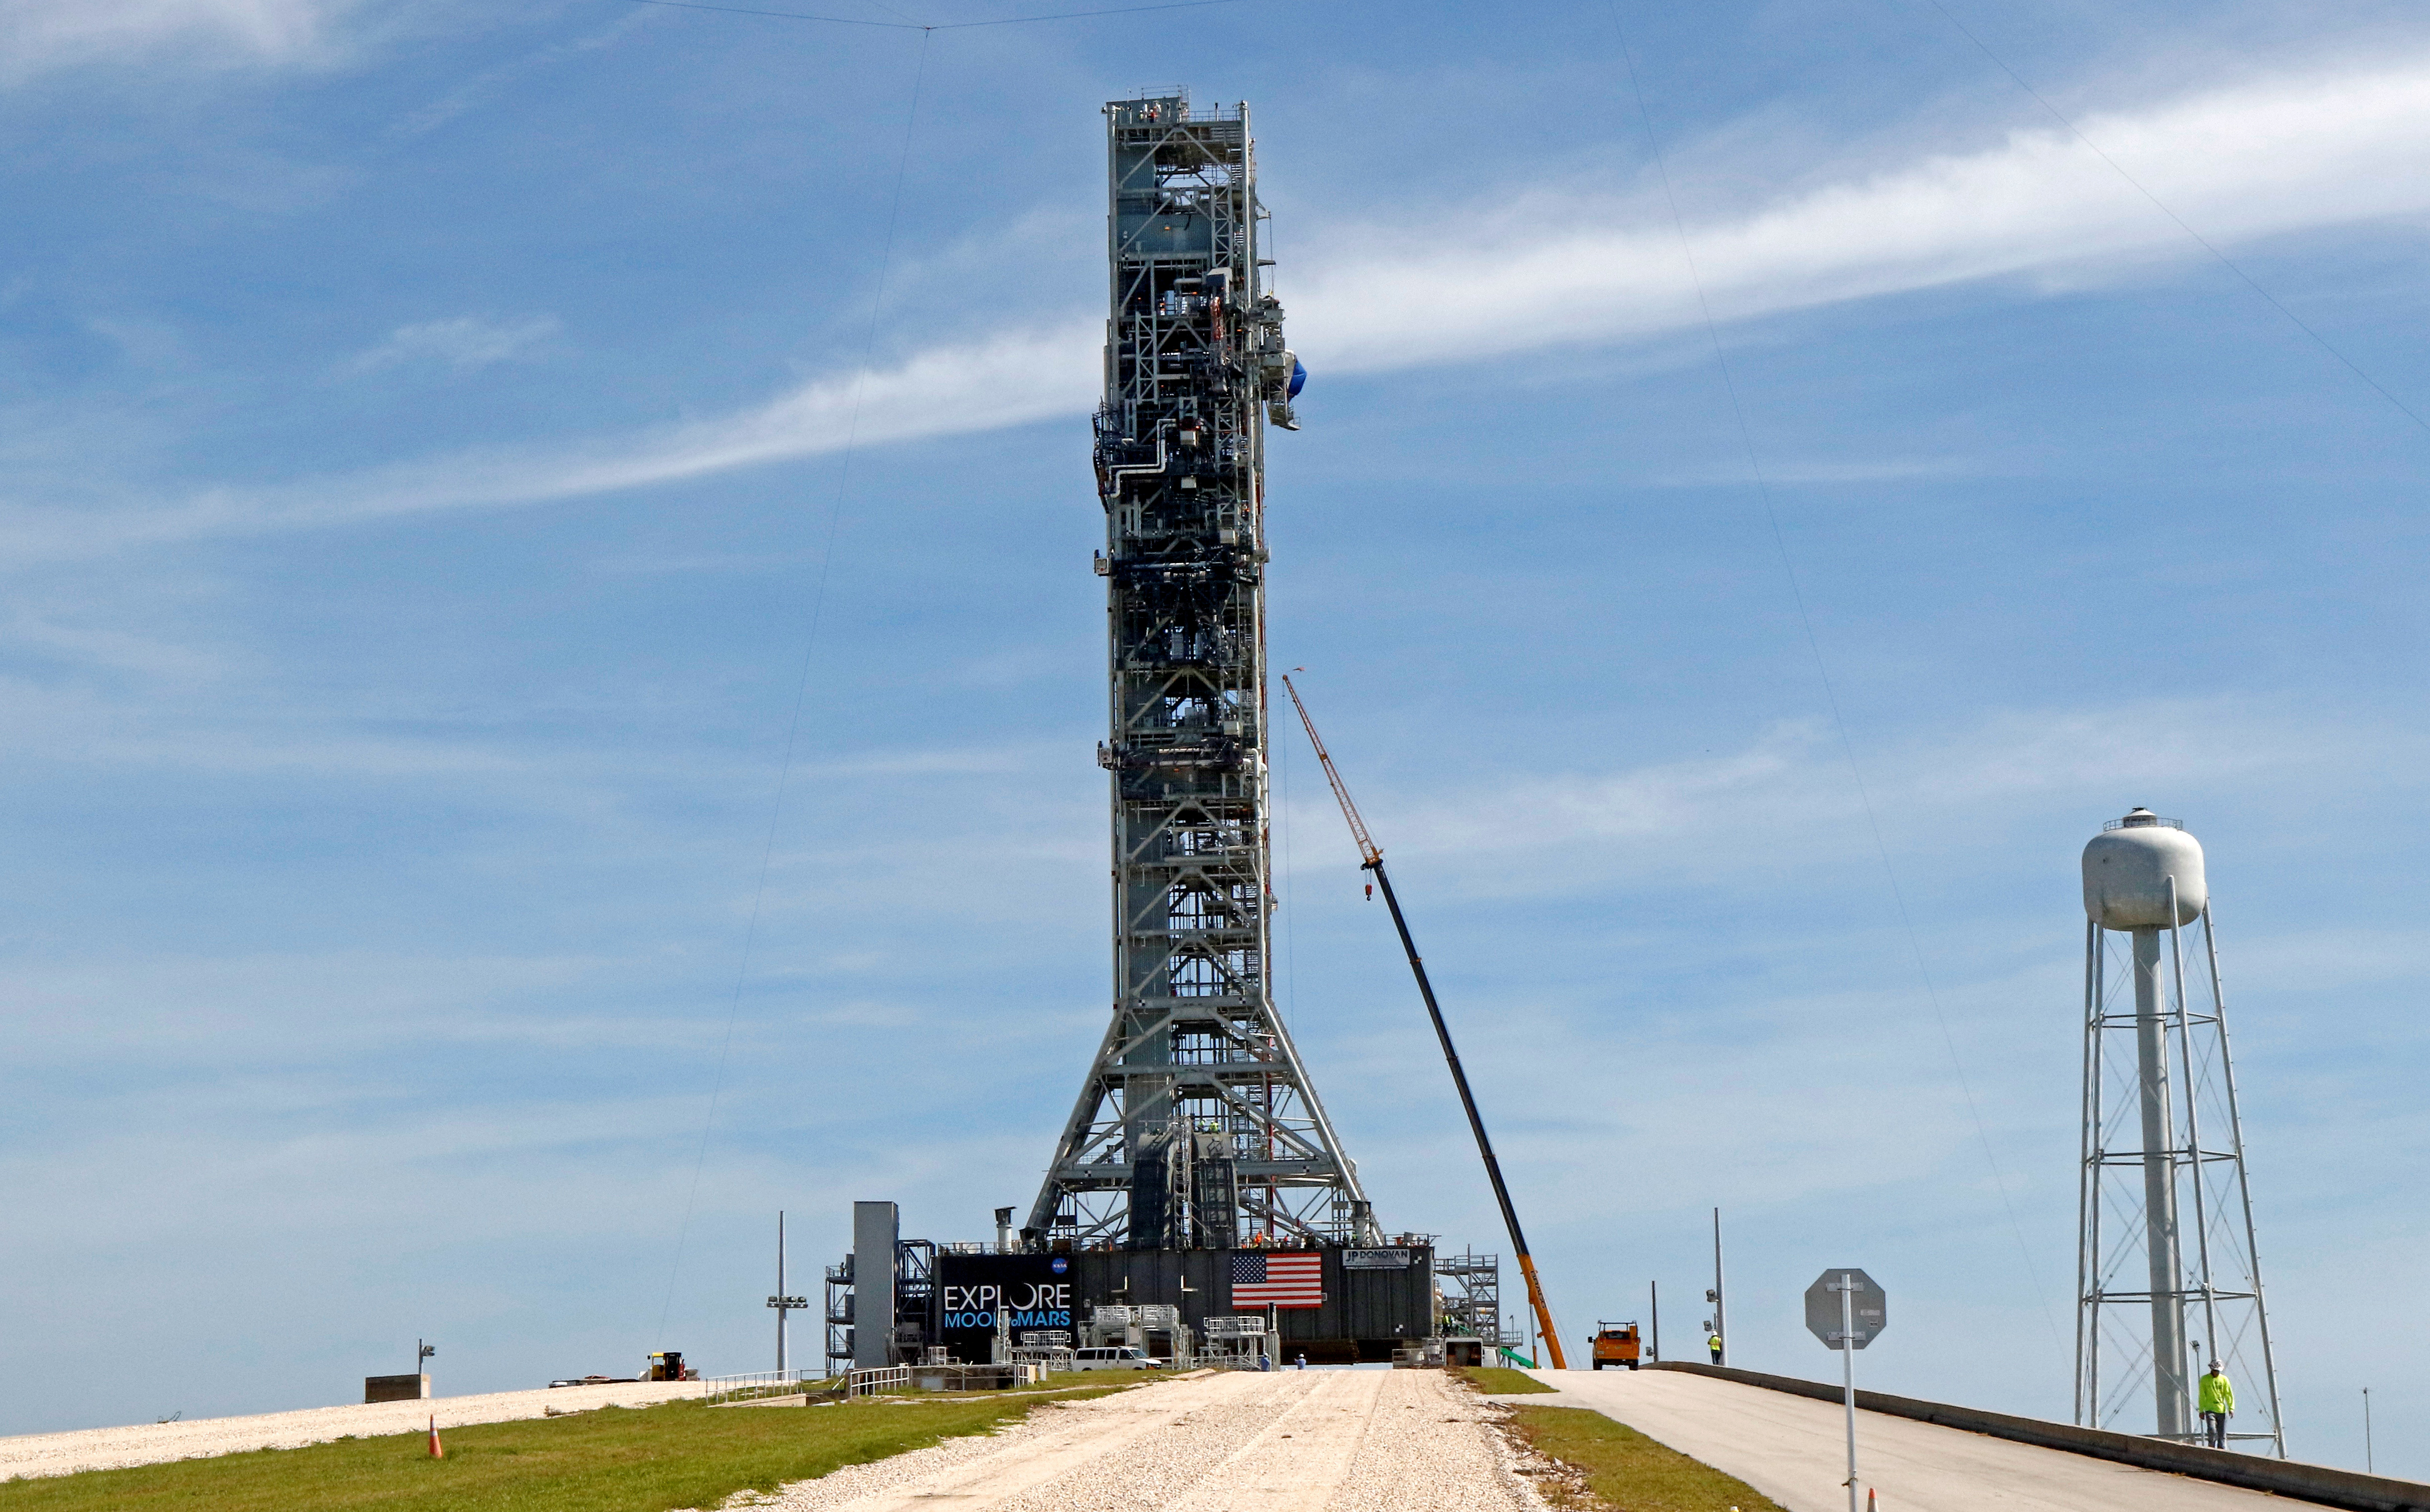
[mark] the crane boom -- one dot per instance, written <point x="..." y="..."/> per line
<point x="1372" y="859"/>
<point x="1369" y="857"/>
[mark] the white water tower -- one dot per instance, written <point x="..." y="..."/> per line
<point x="2166" y="1274"/>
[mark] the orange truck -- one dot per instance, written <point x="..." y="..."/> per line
<point x="1616" y="1344"/>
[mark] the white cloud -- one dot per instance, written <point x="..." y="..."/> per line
<point x="463" y="343"/>
<point x="2319" y="150"/>
<point x="2259" y="159"/>
<point x="1008" y="381"/>
<point x="42" y="34"/>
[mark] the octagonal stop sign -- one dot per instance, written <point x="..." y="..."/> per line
<point x="1823" y="1317"/>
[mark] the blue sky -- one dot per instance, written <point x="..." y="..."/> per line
<point x="425" y="487"/>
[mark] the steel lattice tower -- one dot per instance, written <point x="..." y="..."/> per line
<point x="2168" y="1269"/>
<point x="1196" y="1125"/>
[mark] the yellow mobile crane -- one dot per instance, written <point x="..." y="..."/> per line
<point x="1372" y="859"/>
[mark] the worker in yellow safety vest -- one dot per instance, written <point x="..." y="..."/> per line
<point x="1714" y="1344"/>
<point x="2217" y="1401"/>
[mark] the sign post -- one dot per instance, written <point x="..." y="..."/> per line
<point x="1846" y="1310"/>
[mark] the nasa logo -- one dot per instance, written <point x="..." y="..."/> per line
<point x="1062" y="1264"/>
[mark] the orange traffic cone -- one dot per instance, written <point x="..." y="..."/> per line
<point x="1869" y="1500"/>
<point x="436" y="1452"/>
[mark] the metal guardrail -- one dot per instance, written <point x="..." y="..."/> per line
<point x="976" y="1377"/>
<point x="721" y="1389"/>
<point x="2346" y="1488"/>
<point x="761" y="1385"/>
<point x="878" y="1382"/>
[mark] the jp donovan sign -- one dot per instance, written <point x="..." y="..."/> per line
<point x="1029" y="1291"/>
<point x="1377" y="1259"/>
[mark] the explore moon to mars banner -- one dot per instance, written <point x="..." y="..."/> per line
<point x="1034" y="1291"/>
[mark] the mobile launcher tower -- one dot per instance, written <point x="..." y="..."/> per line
<point x="1196" y="1126"/>
<point x="1198" y="1177"/>
<point x="2163" y="1144"/>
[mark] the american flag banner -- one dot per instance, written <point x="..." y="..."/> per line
<point x="1292" y="1279"/>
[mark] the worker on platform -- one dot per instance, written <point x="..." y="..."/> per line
<point x="2218" y="1403"/>
<point x="1302" y="1362"/>
<point x="1714" y="1344"/>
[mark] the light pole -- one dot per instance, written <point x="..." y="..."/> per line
<point x="783" y="1302"/>
<point x="1721" y="1317"/>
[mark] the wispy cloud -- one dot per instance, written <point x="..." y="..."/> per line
<point x="2287" y="155"/>
<point x="463" y="342"/>
<point x="37" y="34"/>
<point x="2260" y="159"/>
<point x="470" y="94"/>
<point x="1788" y="799"/>
<point x="1011" y="380"/>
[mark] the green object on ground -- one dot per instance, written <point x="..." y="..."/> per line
<point x="652" y="1459"/>
<point x="1514" y="1356"/>
<point x="1624" y="1469"/>
<point x="1499" y="1380"/>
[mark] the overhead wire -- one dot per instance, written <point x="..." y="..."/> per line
<point x="802" y="679"/>
<point x="2180" y="222"/>
<point x="1821" y="664"/>
<point x="942" y="26"/>
<point x="834" y="517"/>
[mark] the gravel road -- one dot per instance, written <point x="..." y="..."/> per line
<point x="33" y="1454"/>
<point x="1289" y="1441"/>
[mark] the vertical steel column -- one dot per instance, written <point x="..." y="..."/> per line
<point x="2087" y="1193"/>
<point x="2193" y="1144"/>
<point x="2159" y="1188"/>
<point x="2243" y="1187"/>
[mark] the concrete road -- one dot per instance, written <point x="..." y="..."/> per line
<point x="1795" y="1450"/>
<point x="1286" y="1441"/>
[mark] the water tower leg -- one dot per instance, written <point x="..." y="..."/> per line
<point x="2159" y="1188"/>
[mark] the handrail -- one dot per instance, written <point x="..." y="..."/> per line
<point x="719" y="1389"/>
<point x="872" y="1383"/>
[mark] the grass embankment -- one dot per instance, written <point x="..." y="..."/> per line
<point x="1622" y="1467"/>
<point x="1499" y="1380"/>
<point x="651" y="1460"/>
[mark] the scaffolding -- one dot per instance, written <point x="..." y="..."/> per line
<point x="1471" y="1287"/>
<point x="838" y="1314"/>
